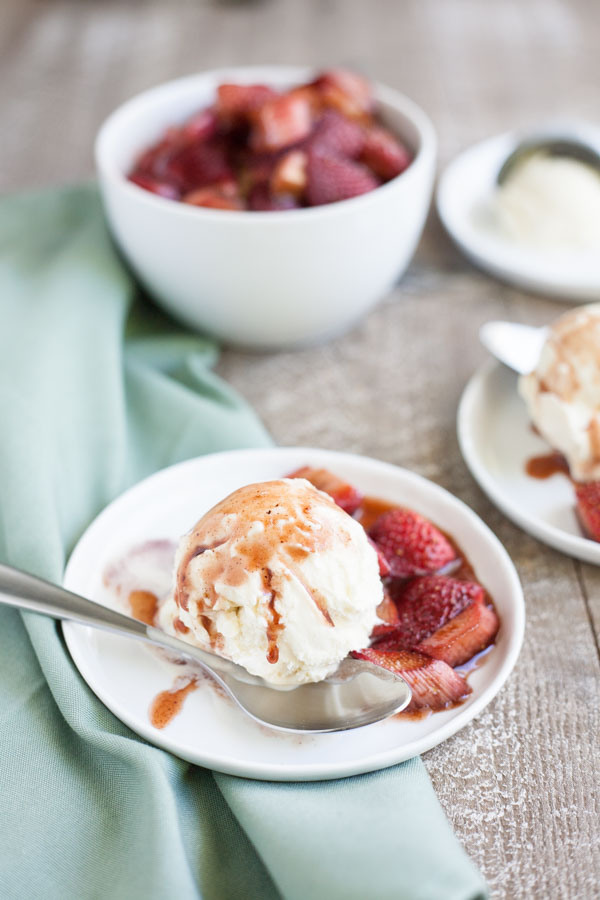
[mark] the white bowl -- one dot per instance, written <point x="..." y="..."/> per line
<point x="262" y="279"/>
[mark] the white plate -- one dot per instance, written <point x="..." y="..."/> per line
<point x="496" y="440"/>
<point x="465" y="205"/>
<point x="210" y="730"/>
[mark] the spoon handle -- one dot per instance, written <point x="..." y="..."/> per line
<point x="28" y="592"/>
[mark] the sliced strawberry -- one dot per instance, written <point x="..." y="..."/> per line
<point x="347" y="92"/>
<point x="217" y="196"/>
<point x="282" y="121"/>
<point x="262" y="199"/>
<point x="425" y="605"/>
<point x="336" y="134"/>
<point x="162" y="188"/>
<point x="289" y="174"/>
<point x="588" y="507"/>
<point x="433" y="683"/>
<point x="411" y="543"/>
<point x="236" y="102"/>
<point x="384" y="154"/>
<point x="199" y="165"/>
<point x="331" y="178"/>
<point x="463" y="636"/>
<point x="342" y="492"/>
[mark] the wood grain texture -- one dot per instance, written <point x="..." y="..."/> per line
<point x="520" y="784"/>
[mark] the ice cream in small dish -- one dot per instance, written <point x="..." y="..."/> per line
<point x="562" y="395"/>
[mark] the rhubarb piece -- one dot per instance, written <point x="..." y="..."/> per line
<point x="217" y="196"/>
<point x="411" y="543"/>
<point x="433" y="683"/>
<point x="387" y="611"/>
<point x="336" y="134"/>
<point x="289" y="174"/>
<point x="331" y="178"/>
<point x="463" y="636"/>
<point x="344" y="493"/>
<point x="384" y="154"/>
<point x="588" y="507"/>
<point x="285" y="120"/>
<point x="347" y="92"/>
<point x="384" y="566"/>
<point x="236" y="102"/>
<point x="162" y="188"/>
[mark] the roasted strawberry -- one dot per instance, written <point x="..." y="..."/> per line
<point x="331" y="178"/>
<point x="202" y="126"/>
<point x="262" y="199"/>
<point x="383" y="153"/>
<point x="235" y="102"/>
<point x="433" y="683"/>
<point x="347" y="92"/>
<point x="462" y="637"/>
<point x="425" y="605"/>
<point x="411" y="544"/>
<point x="344" y="494"/>
<point x="588" y="507"/>
<point x="162" y="188"/>
<point x="198" y="165"/>
<point x="289" y="174"/>
<point x="217" y="196"/>
<point x="284" y="120"/>
<point x="336" y="134"/>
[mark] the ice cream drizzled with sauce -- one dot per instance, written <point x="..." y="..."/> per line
<point x="551" y="203"/>
<point x="563" y="392"/>
<point x="277" y="578"/>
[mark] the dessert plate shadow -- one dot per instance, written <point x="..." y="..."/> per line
<point x="210" y="731"/>
<point x="496" y="440"/>
<point x="464" y="201"/>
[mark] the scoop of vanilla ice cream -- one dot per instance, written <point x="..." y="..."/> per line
<point x="277" y="578"/>
<point x="563" y="392"/>
<point x="551" y="203"/>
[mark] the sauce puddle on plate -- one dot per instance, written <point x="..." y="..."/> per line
<point x="547" y="465"/>
<point x="167" y="704"/>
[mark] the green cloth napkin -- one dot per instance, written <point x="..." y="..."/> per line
<point x="97" y="390"/>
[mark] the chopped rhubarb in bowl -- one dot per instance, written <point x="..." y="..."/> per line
<point x="222" y="261"/>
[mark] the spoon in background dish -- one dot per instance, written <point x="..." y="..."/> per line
<point x="517" y="346"/>
<point x="357" y="693"/>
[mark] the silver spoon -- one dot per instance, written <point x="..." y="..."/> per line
<point x="552" y="144"/>
<point x="357" y="693"/>
<point x="517" y="346"/>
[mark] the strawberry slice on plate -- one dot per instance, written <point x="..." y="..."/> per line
<point x="588" y="507"/>
<point x="463" y="636"/>
<point x="426" y="604"/>
<point x="411" y="543"/>
<point x="344" y="493"/>
<point x="433" y="683"/>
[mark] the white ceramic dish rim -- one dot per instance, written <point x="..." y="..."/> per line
<point x="111" y="172"/>
<point x="287" y="772"/>
<point x="571" y="544"/>
<point x="555" y="273"/>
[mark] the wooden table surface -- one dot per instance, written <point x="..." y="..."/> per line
<point x="520" y="784"/>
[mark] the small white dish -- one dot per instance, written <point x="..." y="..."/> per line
<point x="263" y="279"/>
<point x="496" y="440"/>
<point x="210" y="730"/>
<point x="465" y="205"/>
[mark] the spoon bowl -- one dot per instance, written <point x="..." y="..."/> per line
<point x="357" y="693"/>
<point x="517" y="346"/>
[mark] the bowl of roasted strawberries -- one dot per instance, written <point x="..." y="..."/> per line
<point x="268" y="206"/>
